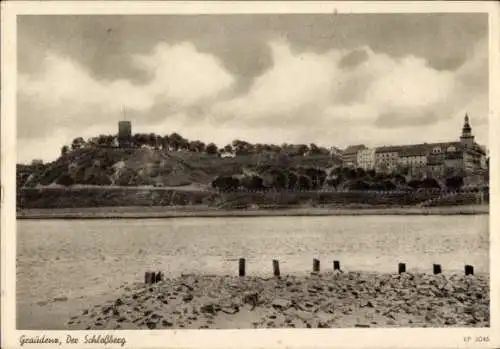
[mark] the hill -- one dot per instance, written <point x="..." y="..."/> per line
<point x="153" y="167"/>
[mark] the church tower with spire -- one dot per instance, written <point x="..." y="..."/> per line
<point x="467" y="139"/>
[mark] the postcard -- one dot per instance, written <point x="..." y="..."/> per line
<point x="249" y="174"/>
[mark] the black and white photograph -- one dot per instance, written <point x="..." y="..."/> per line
<point x="241" y="171"/>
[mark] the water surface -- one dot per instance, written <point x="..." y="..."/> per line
<point x="75" y="258"/>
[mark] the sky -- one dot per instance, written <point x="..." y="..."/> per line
<point x="328" y="79"/>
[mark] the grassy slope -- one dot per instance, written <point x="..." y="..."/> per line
<point x="114" y="166"/>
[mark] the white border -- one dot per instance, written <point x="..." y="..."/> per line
<point x="281" y="338"/>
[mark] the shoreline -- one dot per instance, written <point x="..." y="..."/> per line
<point x="156" y="212"/>
<point x="325" y="300"/>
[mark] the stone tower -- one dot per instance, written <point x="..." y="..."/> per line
<point x="124" y="134"/>
<point x="467" y="139"/>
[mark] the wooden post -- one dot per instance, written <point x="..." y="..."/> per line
<point x="469" y="270"/>
<point x="436" y="269"/>
<point x="336" y="265"/>
<point x="315" y="265"/>
<point x="242" y="267"/>
<point x="401" y="268"/>
<point x="276" y="267"/>
<point x="158" y="277"/>
<point x="149" y="278"/>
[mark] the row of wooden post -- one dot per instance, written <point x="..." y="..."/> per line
<point x="276" y="266"/>
<point x="154" y="277"/>
<point x="436" y="268"/>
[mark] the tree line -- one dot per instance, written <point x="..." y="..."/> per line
<point x="337" y="178"/>
<point x="175" y="142"/>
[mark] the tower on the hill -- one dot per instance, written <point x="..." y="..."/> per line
<point x="467" y="138"/>
<point x="124" y="134"/>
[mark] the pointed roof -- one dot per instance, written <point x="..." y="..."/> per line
<point x="466" y="130"/>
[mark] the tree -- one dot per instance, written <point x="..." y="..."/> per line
<point x="358" y="185"/>
<point x="302" y="149"/>
<point x="196" y="146"/>
<point x="228" y="149"/>
<point x="414" y="183"/>
<point x="241" y="147"/>
<point x="175" y="141"/>
<point x="292" y="180"/>
<point x="252" y="183"/>
<point x="165" y="143"/>
<point x="304" y="183"/>
<point x="360" y="172"/>
<point x="211" y="149"/>
<point x="226" y="183"/>
<point x="64" y="150"/>
<point x="77" y="143"/>
<point x="388" y="185"/>
<point x="455" y="182"/>
<point x="140" y="139"/>
<point x="280" y="178"/>
<point x="317" y="177"/>
<point x="313" y="149"/>
<point x="184" y="144"/>
<point x="429" y="183"/>
<point x="65" y="179"/>
<point x="399" y="179"/>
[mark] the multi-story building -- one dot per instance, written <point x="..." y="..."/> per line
<point x="463" y="157"/>
<point x="387" y="158"/>
<point x="412" y="160"/>
<point x="350" y="155"/>
<point x="366" y="159"/>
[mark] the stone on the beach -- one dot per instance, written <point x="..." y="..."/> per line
<point x="188" y="298"/>
<point x="366" y="303"/>
<point x="362" y="325"/>
<point x="60" y="299"/>
<point x="450" y="321"/>
<point x="281" y="303"/>
<point x="210" y="308"/>
<point x="401" y="301"/>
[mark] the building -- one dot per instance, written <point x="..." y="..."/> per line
<point x="366" y="159"/>
<point x="124" y="134"/>
<point x="350" y="155"/>
<point x="464" y="157"/>
<point x="412" y="160"/>
<point x="387" y="158"/>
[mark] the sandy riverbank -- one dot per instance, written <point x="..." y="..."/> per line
<point x="205" y="211"/>
<point x="316" y="301"/>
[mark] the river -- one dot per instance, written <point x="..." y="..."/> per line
<point x="77" y="258"/>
